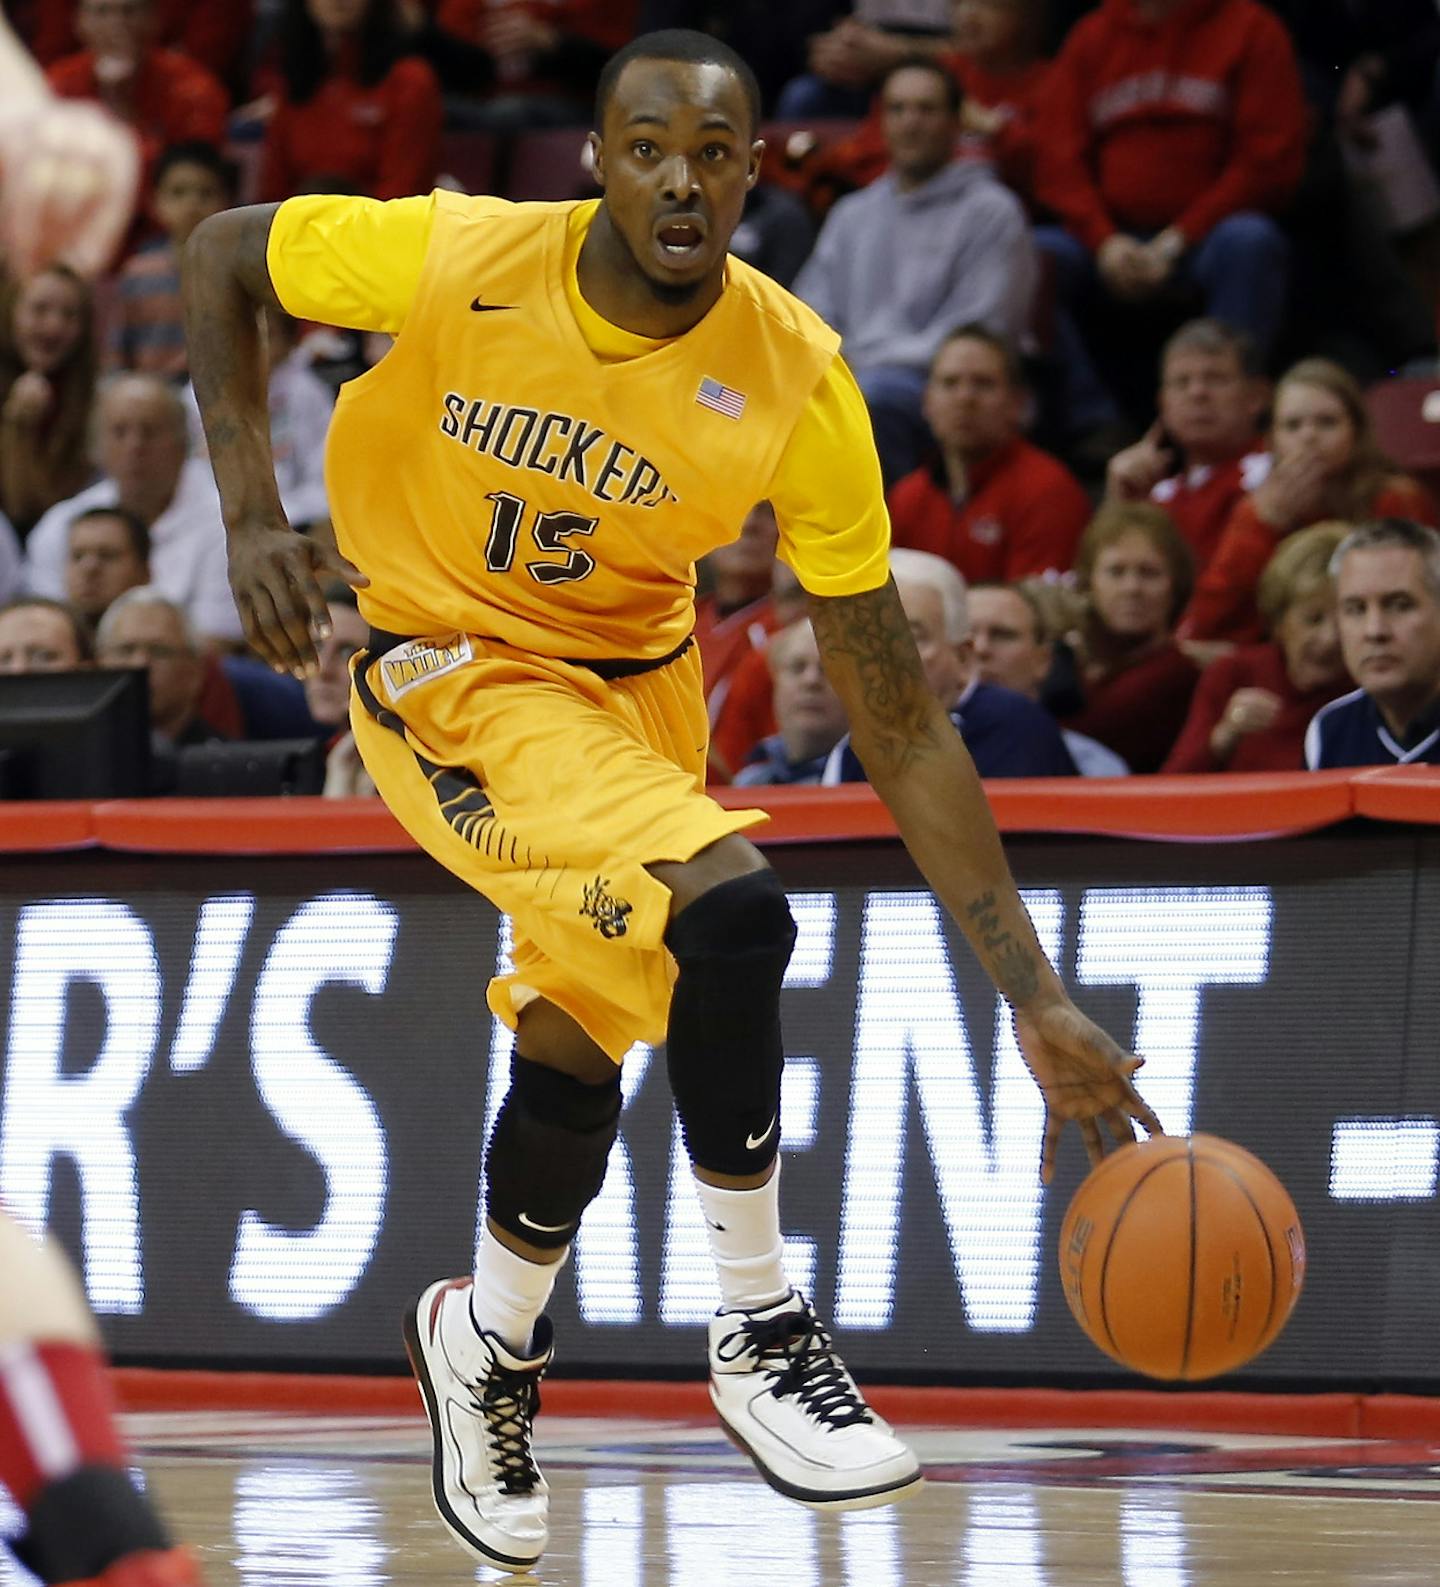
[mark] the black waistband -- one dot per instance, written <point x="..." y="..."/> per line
<point x="607" y="667"/>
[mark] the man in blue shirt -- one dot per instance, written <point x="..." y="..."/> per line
<point x="1007" y="734"/>
<point x="1387" y="577"/>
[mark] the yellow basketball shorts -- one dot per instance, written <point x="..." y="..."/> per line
<point x="549" y="789"/>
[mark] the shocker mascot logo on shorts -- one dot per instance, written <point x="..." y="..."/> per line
<point x="607" y="911"/>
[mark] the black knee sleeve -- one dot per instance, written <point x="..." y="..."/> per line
<point x="82" y="1524"/>
<point x="723" y="1046"/>
<point x="548" y="1151"/>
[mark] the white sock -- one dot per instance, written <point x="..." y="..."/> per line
<point x="510" y="1291"/>
<point x="744" y="1231"/>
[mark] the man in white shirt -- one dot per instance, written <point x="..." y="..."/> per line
<point x="141" y="446"/>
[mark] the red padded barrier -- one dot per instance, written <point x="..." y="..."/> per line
<point x="1185" y="809"/>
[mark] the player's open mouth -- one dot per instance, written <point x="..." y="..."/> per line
<point x="680" y="238"/>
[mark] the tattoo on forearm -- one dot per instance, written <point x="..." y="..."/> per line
<point x="1010" y="962"/>
<point x="892" y="710"/>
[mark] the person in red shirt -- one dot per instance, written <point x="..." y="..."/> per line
<point x="989" y="502"/>
<point x="1252" y="707"/>
<point x="166" y="97"/>
<point x="1205" y="450"/>
<point x="213" y="32"/>
<point x="352" y="113"/>
<point x="1327" y="465"/>
<point x="1135" y="573"/>
<point x="1172" y="132"/>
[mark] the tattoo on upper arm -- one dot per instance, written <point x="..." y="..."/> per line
<point x="870" y="655"/>
<point x="1010" y="962"/>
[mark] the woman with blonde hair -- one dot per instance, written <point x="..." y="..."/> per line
<point x="1135" y="573"/>
<point x="1252" y="707"/>
<point x="47" y="388"/>
<point x="1327" y="465"/>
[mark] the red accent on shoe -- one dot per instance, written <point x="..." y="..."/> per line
<point x="172" y="1567"/>
<point x="440" y="1294"/>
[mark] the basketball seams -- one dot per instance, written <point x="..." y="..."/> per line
<point x="1216" y="1161"/>
<point x="1115" y="1223"/>
<point x="1194" y="1256"/>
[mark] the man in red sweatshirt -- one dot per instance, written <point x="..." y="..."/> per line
<point x="165" y="96"/>
<point x="987" y="501"/>
<point x="1173" y="131"/>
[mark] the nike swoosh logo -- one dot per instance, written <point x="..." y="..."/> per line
<point x="752" y="1141"/>
<point x="543" y="1228"/>
<point x="477" y="307"/>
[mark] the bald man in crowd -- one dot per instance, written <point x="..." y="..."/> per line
<point x="141" y="441"/>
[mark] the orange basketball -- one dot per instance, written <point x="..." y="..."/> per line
<point x="1182" y="1257"/>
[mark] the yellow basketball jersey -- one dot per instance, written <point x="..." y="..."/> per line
<point x="491" y="475"/>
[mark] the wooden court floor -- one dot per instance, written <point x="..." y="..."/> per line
<point x="276" y="1500"/>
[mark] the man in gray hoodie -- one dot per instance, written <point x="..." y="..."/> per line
<point x="934" y="243"/>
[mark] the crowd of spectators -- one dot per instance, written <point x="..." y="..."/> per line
<point x="1015" y="214"/>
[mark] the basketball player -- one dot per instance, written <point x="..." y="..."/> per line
<point x="61" y="1456"/>
<point x="67" y="181"/>
<point x="582" y="399"/>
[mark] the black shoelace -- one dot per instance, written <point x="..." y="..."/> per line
<point x="797" y="1352"/>
<point x="509" y="1402"/>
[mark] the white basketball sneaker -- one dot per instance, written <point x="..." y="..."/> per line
<point x="785" y="1397"/>
<point x="481" y="1399"/>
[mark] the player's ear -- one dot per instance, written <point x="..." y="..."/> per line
<point x="757" y="153"/>
<point x="595" y="157"/>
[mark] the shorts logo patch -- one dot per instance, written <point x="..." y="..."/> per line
<point x="417" y="661"/>
<point x="608" y="912"/>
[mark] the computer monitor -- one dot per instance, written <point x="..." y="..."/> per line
<point x="75" y="735"/>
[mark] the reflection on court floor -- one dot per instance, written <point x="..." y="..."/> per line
<point x="270" y="1500"/>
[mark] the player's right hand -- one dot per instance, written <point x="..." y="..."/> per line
<point x="275" y="576"/>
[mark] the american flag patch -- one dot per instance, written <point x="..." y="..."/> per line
<point x="724" y="399"/>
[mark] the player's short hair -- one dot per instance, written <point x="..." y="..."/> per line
<point x="678" y="44"/>
<point x="1216" y="338"/>
<point x="974" y="331"/>
<point x="206" y="156"/>
<point x="1402" y="532"/>
<point x="79" y="623"/>
<point x="339" y="593"/>
<point x="935" y="573"/>
<point x="954" y="94"/>
<point x="1119" y="519"/>
<point x="145" y="595"/>
<point x="135" y="527"/>
<point x="1299" y="569"/>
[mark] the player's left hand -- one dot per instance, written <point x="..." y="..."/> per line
<point x="1084" y="1075"/>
